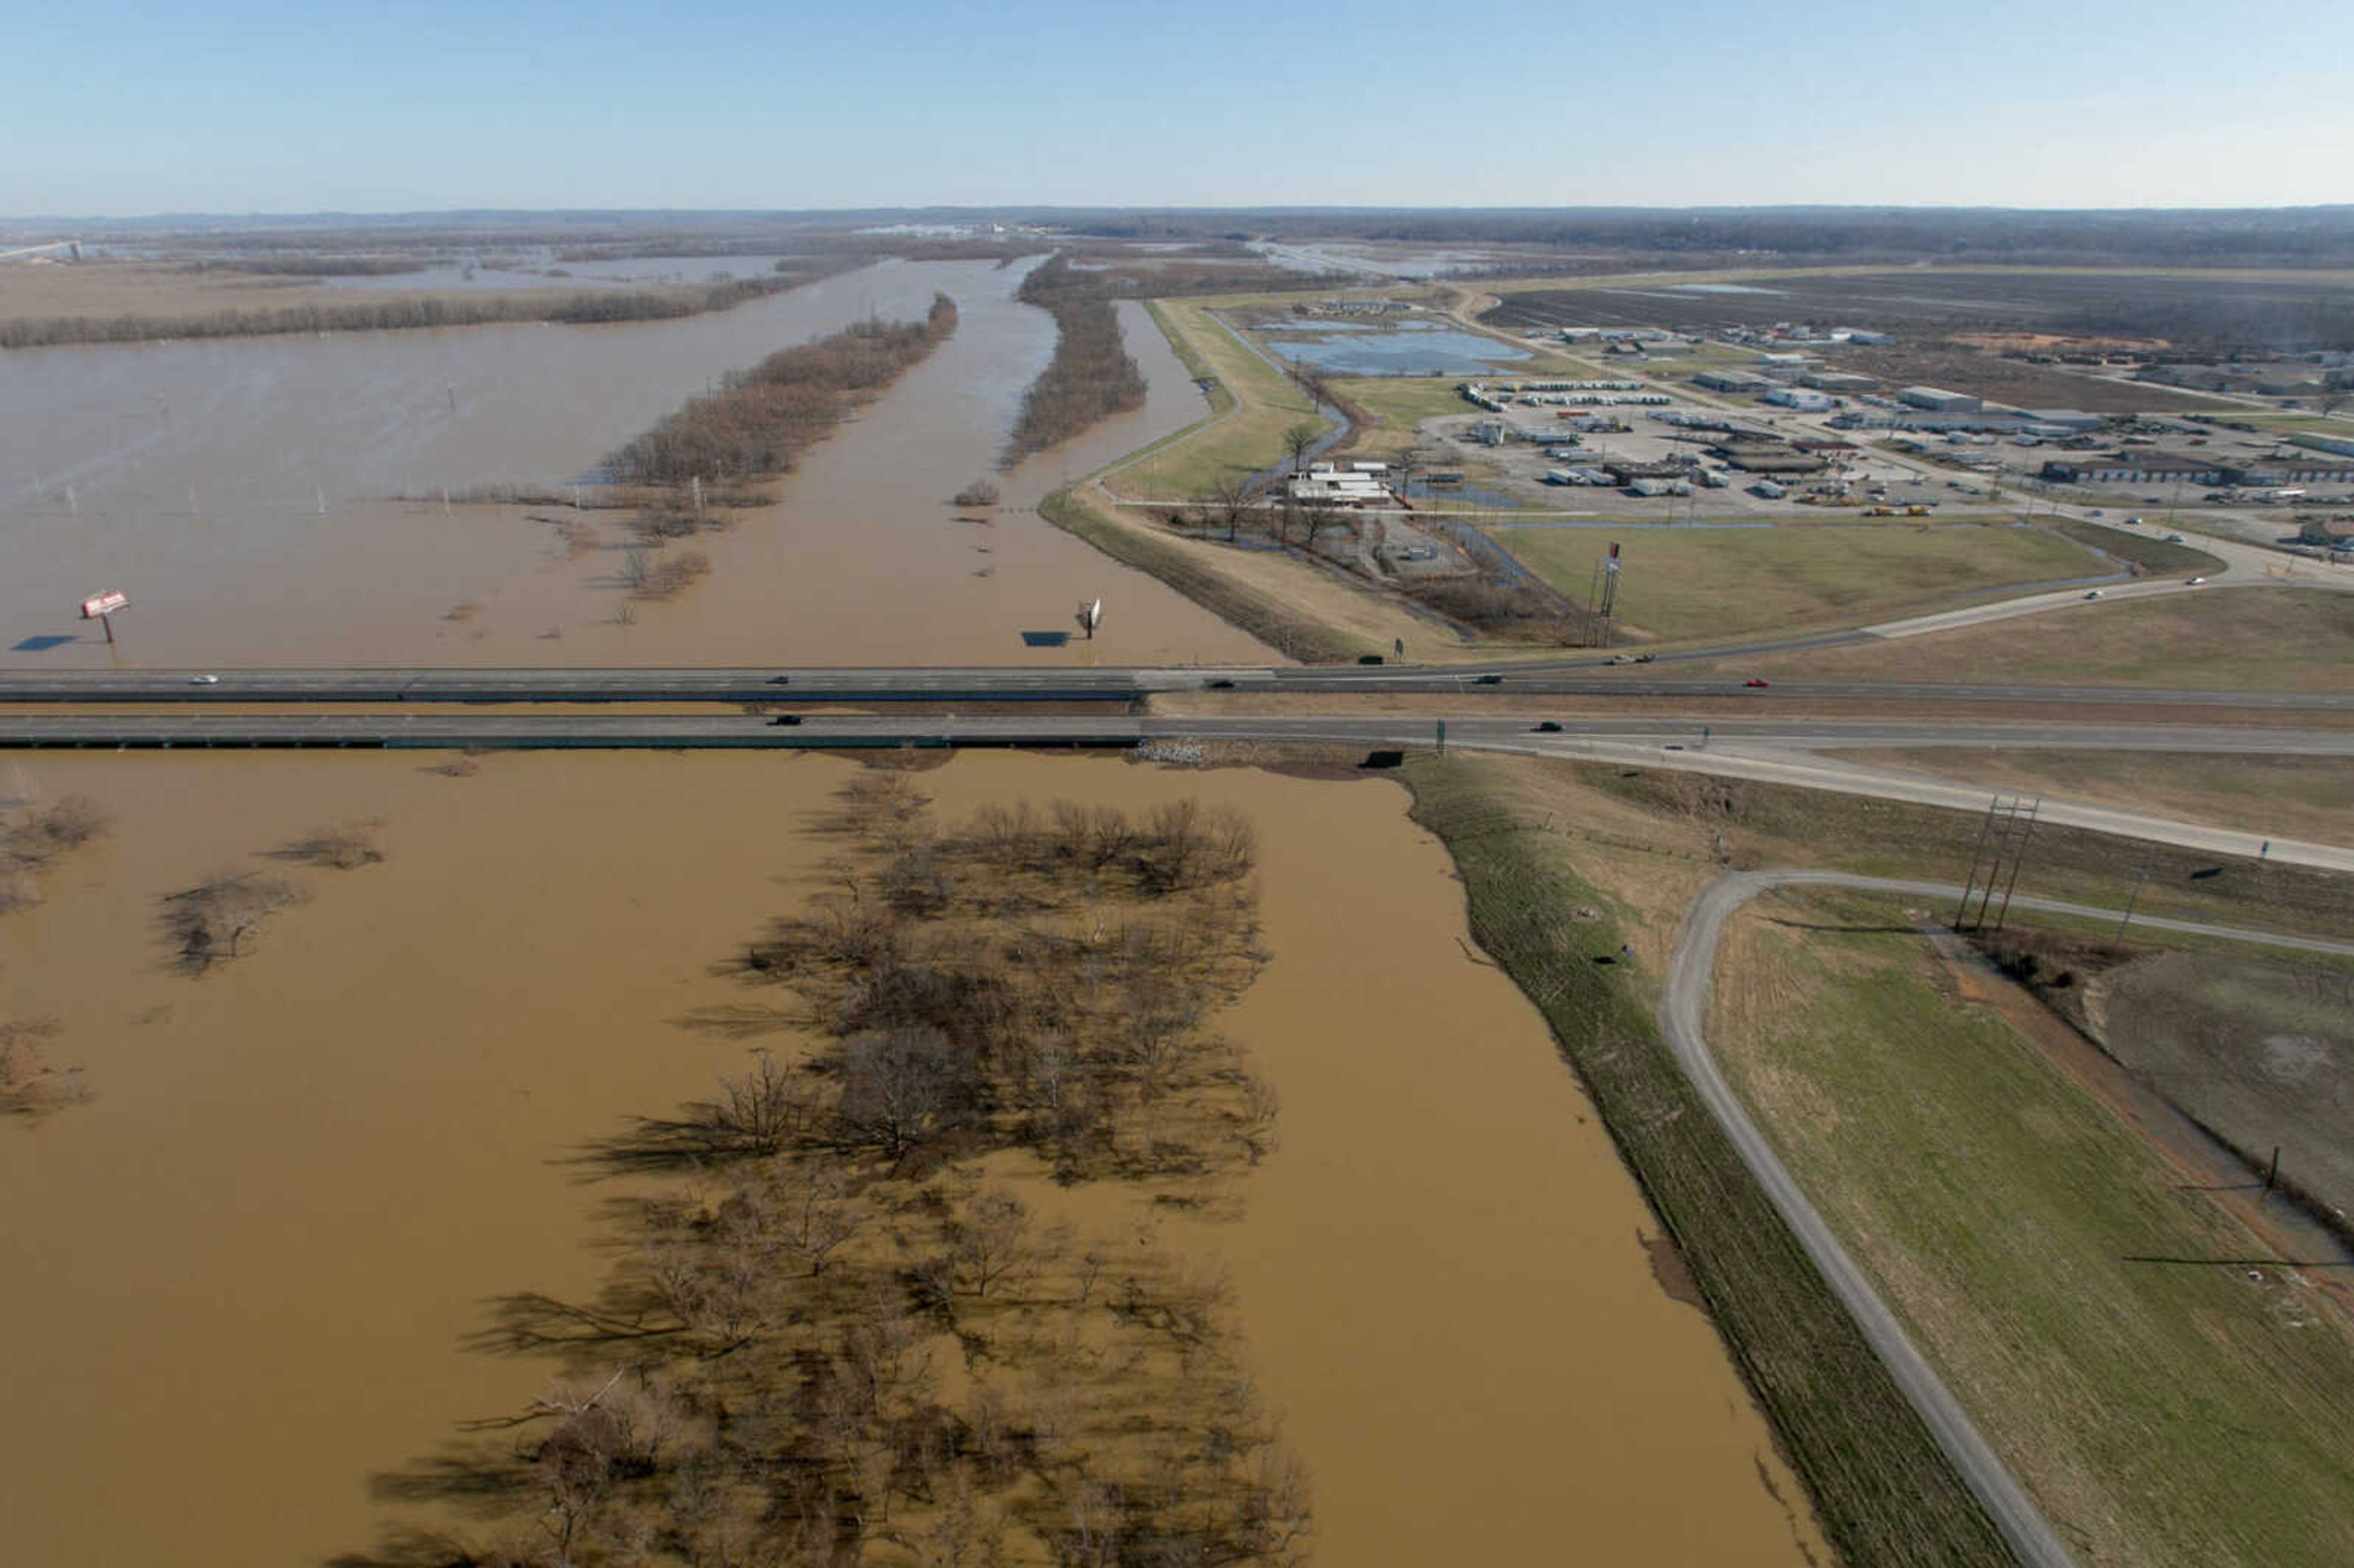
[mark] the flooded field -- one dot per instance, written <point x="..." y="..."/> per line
<point x="238" y="492"/>
<point x="1408" y="348"/>
<point x="248" y="1261"/>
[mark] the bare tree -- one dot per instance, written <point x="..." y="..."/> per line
<point x="1298" y="440"/>
<point x="991" y="1242"/>
<point x="211" y="922"/>
<point x="345" y="847"/>
<point x="1229" y="499"/>
<point x="899" y="1088"/>
<point x="28" y="1083"/>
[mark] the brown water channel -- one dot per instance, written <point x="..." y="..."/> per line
<point x="238" y="492"/>
<point x="238" y="1277"/>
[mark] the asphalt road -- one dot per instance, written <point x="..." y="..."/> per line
<point x="1683" y="1008"/>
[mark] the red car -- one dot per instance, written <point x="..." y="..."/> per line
<point x="1755" y="681"/>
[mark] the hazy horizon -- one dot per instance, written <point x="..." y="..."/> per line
<point x="252" y="107"/>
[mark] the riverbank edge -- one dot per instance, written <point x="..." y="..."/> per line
<point x="1277" y="625"/>
<point x="1882" y="1490"/>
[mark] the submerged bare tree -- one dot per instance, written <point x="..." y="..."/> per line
<point x="346" y="846"/>
<point x="216" y="920"/>
<point x="29" y="1084"/>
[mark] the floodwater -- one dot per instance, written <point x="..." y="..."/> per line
<point x="246" y="1263"/>
<point x="1408" y="348"/>
<point x="235" y="490"/>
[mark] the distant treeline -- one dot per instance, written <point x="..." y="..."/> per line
<point x="407" y="313"/>
<point x="2303" y="237"/>
<point x="761" y="420"/>
<point x="316" y="266"/>
<point x="1092" y="375"/>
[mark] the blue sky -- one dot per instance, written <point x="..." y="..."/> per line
<point x="255" y="106"/>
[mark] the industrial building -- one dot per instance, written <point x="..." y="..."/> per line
<point x="1937" y="400"/>
<point x="1730" y="381"/>
<point x="1798" y="397"/>
<point x="1326" y="486"/>
<point x="2288" y="471"/>
<point x="1626" y="471"/>
<point x="2342" y="444"/>
<point x="2137" y="468"/>
<point x="2073" y="419"/>
<point x="1838" y="381"/>
<point x="1769" y="457"/>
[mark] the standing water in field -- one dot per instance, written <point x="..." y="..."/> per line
<point x="242" y="492"/>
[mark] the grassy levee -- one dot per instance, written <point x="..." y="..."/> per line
<point x="1883" y="1490"/>
<point x="1227" y="596"/>
<point x="2097" y="1313"/>
<point x="2150" y="553"/>
<point x="1243" y="441"/>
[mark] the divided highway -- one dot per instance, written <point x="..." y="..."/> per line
<point x="1584" y="677"/>
<point x="1794" y="751"/>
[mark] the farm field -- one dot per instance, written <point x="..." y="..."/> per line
<point x="2259" y="1048"/>
<point x="2043" y="1256"/>
<point x="1398" y="404"/>
<point x="1918" y="302"/>
<point x="2297" y="796"/>
<point x="1734" y="582"/>
<point x="2228" y="640"/>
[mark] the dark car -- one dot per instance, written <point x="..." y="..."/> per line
<point x="1756" y="680"/>
<point x="1220" y="685"/>
<point x="1549" y="727"/>
<point x="1488" y="681"/>
<point x="786" y="718"/>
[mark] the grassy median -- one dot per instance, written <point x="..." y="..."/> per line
<point x="1738" y="582"/>
<point x="2221" y="639"/>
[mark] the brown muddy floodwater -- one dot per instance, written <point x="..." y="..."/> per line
<point x="237" y="1278"/>
<point x="236" y="490"/>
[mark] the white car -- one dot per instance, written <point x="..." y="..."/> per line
<point x="203" y="680"/>
<point x="2095" y="593"/>
<point x="2193" y="582"/>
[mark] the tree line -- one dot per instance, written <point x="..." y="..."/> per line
<point x="838" y="1341"/>
<point x="1092" y="375"/>
<point x="761" y="420"/>
<point x="405" y="314"/>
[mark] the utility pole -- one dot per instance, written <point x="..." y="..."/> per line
<point x="2134" y="899"/>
